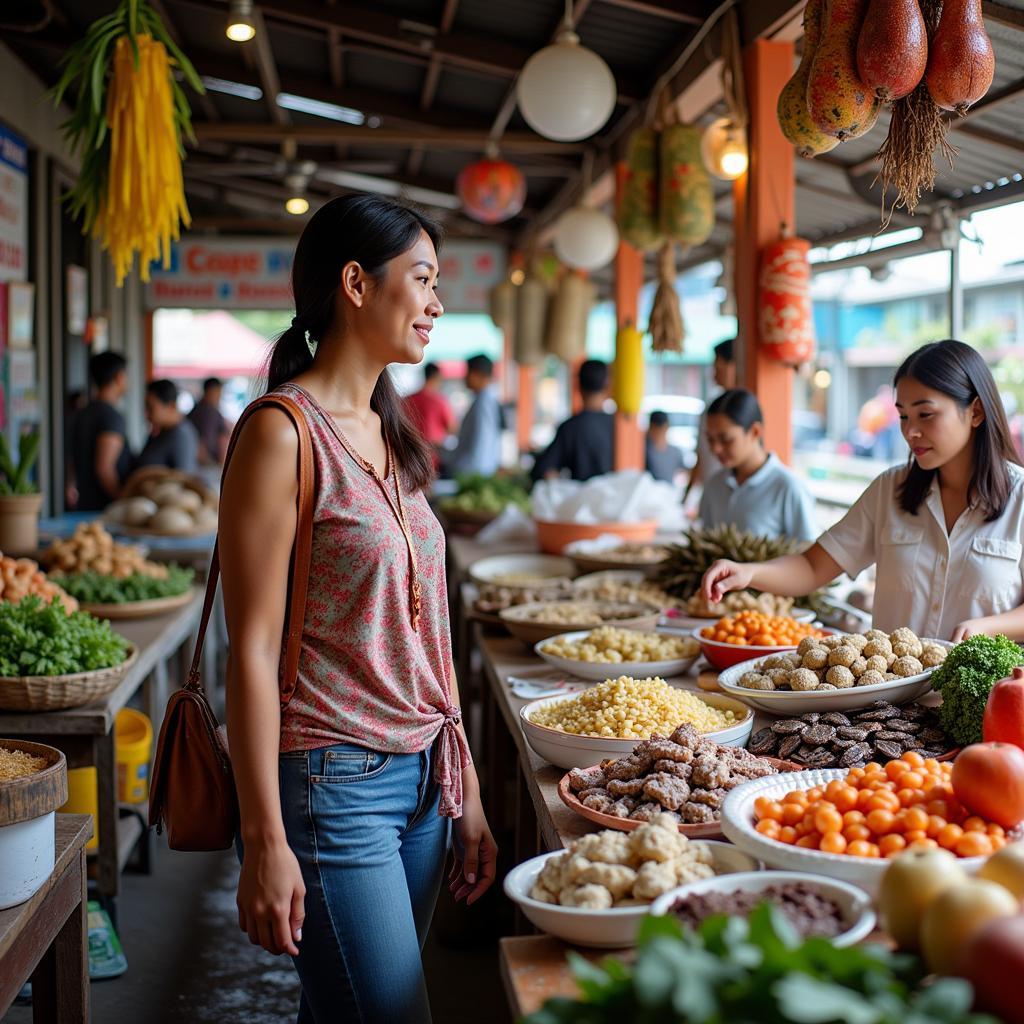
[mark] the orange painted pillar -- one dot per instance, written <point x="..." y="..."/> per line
<point x="526" y="388"/>
<point x="764" y="201"/>
<point x="629" y="279"/>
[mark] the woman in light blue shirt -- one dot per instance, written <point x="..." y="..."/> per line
<point x="754" y="490"/>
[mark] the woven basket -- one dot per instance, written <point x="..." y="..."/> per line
<point x="133" y="486"/>
<point x="55" y="693"/>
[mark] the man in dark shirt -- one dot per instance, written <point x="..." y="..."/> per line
<point x="585" y="443"/>
<point x="173" y="440"/>
<point x="100" y="458"/>
<point x="209" y="421"/>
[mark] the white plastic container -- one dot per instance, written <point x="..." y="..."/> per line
<point x="27" y="856"/>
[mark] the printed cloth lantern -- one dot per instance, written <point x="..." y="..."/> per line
<point x="491" y="190"/>
<point x="786" y="322"/>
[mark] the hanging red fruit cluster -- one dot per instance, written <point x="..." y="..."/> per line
<point x="491" y="191"/>
<point x="785" y="318"/>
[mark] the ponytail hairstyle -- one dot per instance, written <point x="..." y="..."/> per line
<point x="958" y="371"/>
<point x="738" y="405"/>
<point x="370" y="230"/>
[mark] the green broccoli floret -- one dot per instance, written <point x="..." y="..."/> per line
<point x="966" y="679"/>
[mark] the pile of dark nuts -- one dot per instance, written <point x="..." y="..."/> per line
<point x="880" y="732"/>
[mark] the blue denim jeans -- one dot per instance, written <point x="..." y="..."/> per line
<point x="371" y="845"/>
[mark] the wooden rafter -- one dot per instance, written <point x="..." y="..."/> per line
<point x="431" y="80"/>
<point x="1001" y="14"/>
<point x="691" y="13"/>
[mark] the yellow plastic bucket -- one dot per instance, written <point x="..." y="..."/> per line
<point x="133" y="740"/>
<point x="83" y="799"/>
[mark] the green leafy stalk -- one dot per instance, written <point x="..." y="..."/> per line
<point x="15" y="479"/>
<point x="38" y="639"/>
<point x="87" y="69"/>
<point x="96" y="588"/>
<point x="743" y="971"/>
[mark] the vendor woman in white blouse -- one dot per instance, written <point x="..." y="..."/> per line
<point x="945" y="531"/>
<point x="754" y="490"/>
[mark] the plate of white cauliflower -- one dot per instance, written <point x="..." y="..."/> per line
<point x="839" y="672"/>
<point x="596" y="891"/>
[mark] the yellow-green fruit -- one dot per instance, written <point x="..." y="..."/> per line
<point x="794" y="117"/>
<point x="839" y="103"/>
<point x="687" y="207"/>
<point x="628" y="371"/>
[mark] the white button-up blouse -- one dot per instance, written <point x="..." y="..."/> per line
<point x="926" y="578"/>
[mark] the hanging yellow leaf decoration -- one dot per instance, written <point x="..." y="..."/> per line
<point x="145" y="201"/>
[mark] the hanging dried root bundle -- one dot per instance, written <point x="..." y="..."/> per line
<point x="666" y="323"/>
<point x="917" y="131"/>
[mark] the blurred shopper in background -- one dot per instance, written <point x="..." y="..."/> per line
<point x="100" y="459"/>
<point x="723" y="373"/>
<point x="173" y="440"/>
<point x="585" y="443"/>
<point x="431" y="412"/>
<point x="210" y="423"/>
<point x="664" y="461"/>
<point x="479" y="447"/>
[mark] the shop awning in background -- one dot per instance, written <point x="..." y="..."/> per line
<point x="191" y="345"/>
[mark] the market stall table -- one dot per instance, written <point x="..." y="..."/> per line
<point x="45" y="939"/>
<point x="86" y="734"/>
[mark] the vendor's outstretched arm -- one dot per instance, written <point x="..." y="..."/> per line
<point x="788" y="576"/>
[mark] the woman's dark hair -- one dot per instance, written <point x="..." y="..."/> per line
<point x="956" y="370"/>
<point x="738" y="405"/>
<point x="370" y="230"/>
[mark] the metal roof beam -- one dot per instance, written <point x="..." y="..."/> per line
<point x="1001" y="14"/>
<point x="691" y="12"/>
<point x="519" y="142"/>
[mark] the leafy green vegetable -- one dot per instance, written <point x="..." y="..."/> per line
<point x="479" y="493"/>
<point x="965" y="680"/>
<point x="96" y="588"/>
<point x="14" y="479"/>
<point x="745" y="971"/>
<point x="38" y="639"/>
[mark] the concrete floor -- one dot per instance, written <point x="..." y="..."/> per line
<point x="189" y="964"/>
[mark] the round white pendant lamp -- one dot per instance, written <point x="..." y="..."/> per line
<point x="723" y="149"/>
<point x="565" y="91"/>
<point x="586" y="239"/>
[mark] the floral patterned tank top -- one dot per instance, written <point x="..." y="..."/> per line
<point x="371" y="670"/>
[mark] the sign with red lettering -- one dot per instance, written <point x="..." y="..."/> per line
<point x="13" y="207"/>
<point x="254" y="273"/>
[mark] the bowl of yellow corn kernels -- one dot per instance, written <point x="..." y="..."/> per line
<point x="608" y="720"/>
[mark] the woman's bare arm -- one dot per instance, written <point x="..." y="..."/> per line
<point x="257" y="531"/>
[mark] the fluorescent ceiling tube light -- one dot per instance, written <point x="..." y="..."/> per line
<point x="384" y="187"/>
<point x="245" y="92"/>
<point x="304" y="105"/>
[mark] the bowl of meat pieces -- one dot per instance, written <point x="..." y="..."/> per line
<point x="685" y="775"/>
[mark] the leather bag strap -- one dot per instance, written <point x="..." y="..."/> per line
<point x="301" y="552"/>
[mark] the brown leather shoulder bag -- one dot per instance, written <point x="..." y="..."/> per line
<point x="193" y="794"/>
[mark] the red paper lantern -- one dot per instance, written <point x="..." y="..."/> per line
<point x="785" y="318"/>
<point x="491" y="190"/>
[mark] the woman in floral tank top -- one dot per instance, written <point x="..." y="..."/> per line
<point x="348" y="793"/>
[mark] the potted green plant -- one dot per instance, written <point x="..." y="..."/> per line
<point x="20" y="499"/>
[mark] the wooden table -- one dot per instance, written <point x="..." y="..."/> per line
<point x="46" y="938"/>
<point x="86" y="734"/>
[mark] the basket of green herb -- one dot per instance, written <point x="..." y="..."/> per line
<point x="50" y="660"/>
<point x="137" y="596"/>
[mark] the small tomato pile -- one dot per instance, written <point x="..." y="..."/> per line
<point x="755" y="629"/>
<point x="880" y="811"/>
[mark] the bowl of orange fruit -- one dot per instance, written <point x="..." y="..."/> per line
<point x="752" y="634"/>
<point x="847" y="823"/>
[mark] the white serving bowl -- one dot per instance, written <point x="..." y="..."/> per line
<point x="488" y="571"/>
<point x="737" y="818"/>
<point x="858" y="915"/>
<point x="607" y="929"/>
<point x="568" y="750"/>
<point x="788" y="702"/>
<point x="597" y="672"/>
